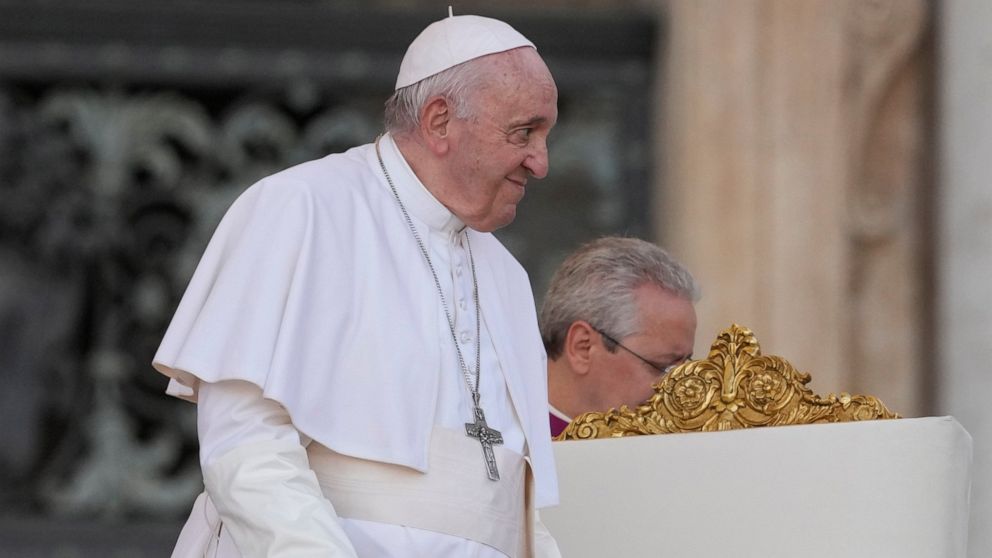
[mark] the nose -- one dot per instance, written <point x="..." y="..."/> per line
<point x="537" y="162"/>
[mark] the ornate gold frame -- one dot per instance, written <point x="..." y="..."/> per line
<point x="734" y="387"/>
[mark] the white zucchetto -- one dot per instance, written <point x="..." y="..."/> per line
<point x="454" y="40"/>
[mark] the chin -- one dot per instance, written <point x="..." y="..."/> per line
<point x="506" y="218"/>
<point x="494" y="221"/>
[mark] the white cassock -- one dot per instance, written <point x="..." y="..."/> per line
<point x="313" y="321"/>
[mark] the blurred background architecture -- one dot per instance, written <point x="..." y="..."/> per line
<point x="823" y="167"/>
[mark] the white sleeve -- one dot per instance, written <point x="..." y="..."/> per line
<point x="256" y="472"/>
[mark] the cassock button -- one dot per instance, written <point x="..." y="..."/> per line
<point x="466" y="337"/>
<point x="461" y="304"/>
<point x="458" y="270"/>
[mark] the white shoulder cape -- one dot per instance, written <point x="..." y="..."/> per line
<point x="313" y="288"/>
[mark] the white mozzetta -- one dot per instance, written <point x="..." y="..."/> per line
<point x="314" y="290"/>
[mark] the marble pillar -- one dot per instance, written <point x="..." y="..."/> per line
<point x="796" y="182"/>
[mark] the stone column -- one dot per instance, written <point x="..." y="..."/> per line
<point x="795" y="183"/>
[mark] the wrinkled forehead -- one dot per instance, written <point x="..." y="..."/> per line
<point x="515" y="75"/>
<point x="518" y="63"/>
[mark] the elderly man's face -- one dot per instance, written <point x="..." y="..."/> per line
<point x="665" y="338"/>
<point x="504" y="142"/>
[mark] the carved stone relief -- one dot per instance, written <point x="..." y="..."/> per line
<point x="888" y="199"/>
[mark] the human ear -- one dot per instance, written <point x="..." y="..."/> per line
<point x="578" y="346"/>
<point x="434" y="121"/>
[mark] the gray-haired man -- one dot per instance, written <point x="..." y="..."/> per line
<point x="618" y="315"/>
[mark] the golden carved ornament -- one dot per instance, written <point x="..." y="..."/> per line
<point x="734" y="387"/>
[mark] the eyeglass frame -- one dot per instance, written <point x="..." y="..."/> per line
<point x="654" y="366"/>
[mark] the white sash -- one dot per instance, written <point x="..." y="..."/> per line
<point x="454" y="497"/>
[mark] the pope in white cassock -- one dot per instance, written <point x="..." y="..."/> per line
<point x="363" y="353"/>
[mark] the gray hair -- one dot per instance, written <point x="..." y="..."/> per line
<point x="456" y="84"/>
<point x="597" y="283"/>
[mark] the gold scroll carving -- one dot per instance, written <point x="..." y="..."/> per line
<point x="734" y="387"/>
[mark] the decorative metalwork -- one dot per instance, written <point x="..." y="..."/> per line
<point x="734" y="387"/>
<point x="109" y="199"/>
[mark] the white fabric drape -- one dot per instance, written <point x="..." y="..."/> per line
<point x="313" y="289"/>
<point x="313" y="296"/>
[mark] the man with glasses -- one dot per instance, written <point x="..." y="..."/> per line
<point x="617" y="317"/>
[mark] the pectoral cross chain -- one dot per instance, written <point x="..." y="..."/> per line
<point x="487" y="437"/>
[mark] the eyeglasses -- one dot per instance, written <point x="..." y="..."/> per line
<point x="661" y="369"/>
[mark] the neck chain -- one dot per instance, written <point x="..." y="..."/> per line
<point x="479" y="429"/>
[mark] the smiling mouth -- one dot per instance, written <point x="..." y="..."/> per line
<point x="519" y="182"/>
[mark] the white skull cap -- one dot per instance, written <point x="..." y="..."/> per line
<point x="454" y="40"/>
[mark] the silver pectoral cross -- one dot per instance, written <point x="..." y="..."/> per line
<point x="487" y="437"/>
